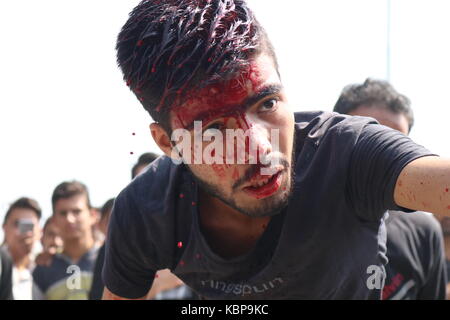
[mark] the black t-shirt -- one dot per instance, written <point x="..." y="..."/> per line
<point x="415" y="249"/>
<point x="327" y="244"/>
<point x="6" y="267"/>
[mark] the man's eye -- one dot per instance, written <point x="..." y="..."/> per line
<point x="217" y="126"/>
<point x="269" y="105"/>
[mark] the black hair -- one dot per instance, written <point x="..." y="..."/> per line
<point x="69" y="189"/>
<point x="169" y="47"/>
<point x="144" y="159"/>
<point x="24" y="203"/>
<point x="107" y="208"/>
<point x="374" y="93"/>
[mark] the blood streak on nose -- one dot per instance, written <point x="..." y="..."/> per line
<point x="235" y="174"/>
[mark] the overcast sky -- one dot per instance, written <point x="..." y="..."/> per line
<point x="66" y="114"/>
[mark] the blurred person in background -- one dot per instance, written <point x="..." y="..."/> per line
<point x="51" y="238"/>
<point x="144" y="160"/>
<point x="6" y="266"/>
<point x="22" y="233"/>
<point x="69" y="275"/>
<point x="51" y="242"/>
<point x="99" y="236"/>
<point x="96" y="291"/>
<point x="416" y="267"/>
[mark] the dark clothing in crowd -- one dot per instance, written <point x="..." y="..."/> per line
<point x="96" y="292"/>
<point x="328" y="243"/>
<point x="448" y="271"/>
<point x="6" y="266"/>
<point x="416" y="268"/>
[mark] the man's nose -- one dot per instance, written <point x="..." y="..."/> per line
<point x="257" y="141"/>
<point x="70" y="217"/>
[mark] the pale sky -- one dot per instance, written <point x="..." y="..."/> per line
<point x="66" y="114"/>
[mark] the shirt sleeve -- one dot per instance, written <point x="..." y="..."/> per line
<point x="377" y="159"/>
<point x="130" y="262"/>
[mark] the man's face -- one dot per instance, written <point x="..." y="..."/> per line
<point x="73" y="217"/>
<point x="253" y="102"/>
<point x="22" y="230"/>
<point x="396" y="121"/>
<point x="51" y="239"/>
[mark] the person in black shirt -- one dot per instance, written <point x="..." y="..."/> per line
<point x="6" y="266"/>
<point x="416" y="268"/>
<point x="252" y="201"/>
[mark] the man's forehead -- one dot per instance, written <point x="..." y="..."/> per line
<point x="227" y="97"/>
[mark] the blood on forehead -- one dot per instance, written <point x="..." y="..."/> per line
<point x="217" y="100"/>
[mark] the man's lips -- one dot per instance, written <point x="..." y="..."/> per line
<point x="265" y="188"/>
<point x="259" y="180"/>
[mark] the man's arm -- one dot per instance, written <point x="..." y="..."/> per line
<point x="108" y="295"/>
<point x="424" y="185"/>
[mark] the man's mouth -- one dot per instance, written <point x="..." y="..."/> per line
<point x="264" y="186"/>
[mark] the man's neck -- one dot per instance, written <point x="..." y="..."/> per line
<point x="75" y="248"/>
<point x="228" y="232"/>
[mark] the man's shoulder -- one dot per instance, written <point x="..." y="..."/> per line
<point x="149" y="191"/>
<point x="319" y="123"/>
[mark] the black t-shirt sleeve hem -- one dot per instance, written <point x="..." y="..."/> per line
<point x="395" y="176"/>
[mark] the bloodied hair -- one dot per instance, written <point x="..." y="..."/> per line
<point x="170" y="47"/>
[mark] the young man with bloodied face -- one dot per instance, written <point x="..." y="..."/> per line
<point x="291" y="206"/>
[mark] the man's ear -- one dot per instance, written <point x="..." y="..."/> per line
<point x="161" y="138"/>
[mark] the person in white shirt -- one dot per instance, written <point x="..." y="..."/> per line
<point x="22" y="233"/>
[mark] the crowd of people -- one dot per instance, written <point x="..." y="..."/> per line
<point x="335" y="221"/>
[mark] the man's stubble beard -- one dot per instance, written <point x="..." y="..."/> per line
<point x="268" y="207"/>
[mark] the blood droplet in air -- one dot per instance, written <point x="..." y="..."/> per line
<point x="193" y="203"/>
<point x="131" y="152"/>
<point x="181" y="195"/>
<point x="180" y="244"/>
<point x="139" y="43"/>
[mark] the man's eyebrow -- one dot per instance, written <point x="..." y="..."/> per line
<point x="265" y="91"/>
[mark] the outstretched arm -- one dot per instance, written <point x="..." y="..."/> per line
<point x="424" y="185"/>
